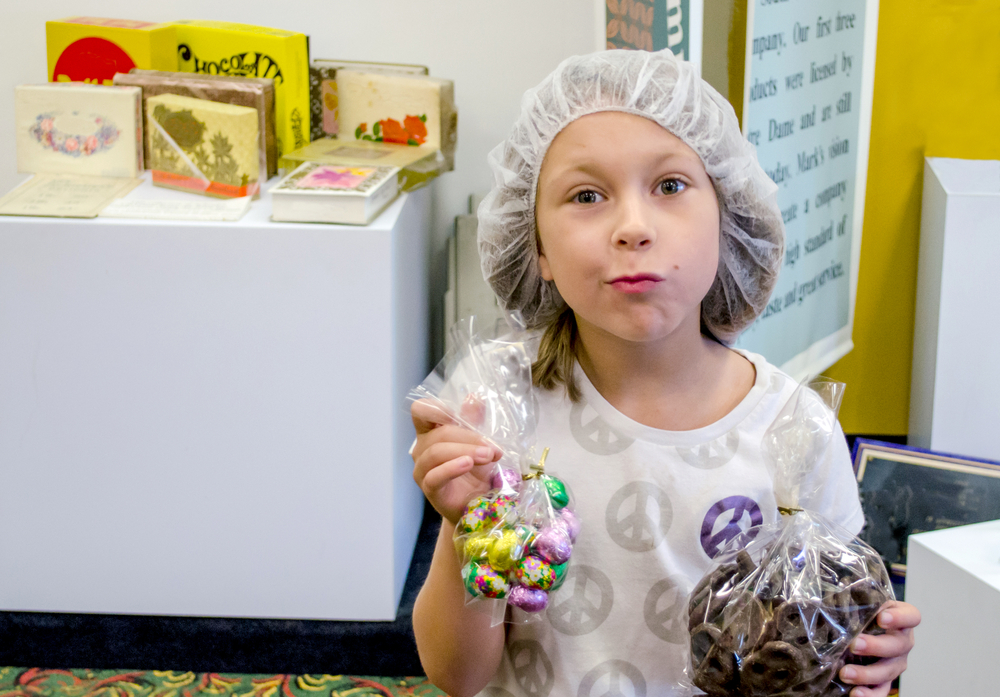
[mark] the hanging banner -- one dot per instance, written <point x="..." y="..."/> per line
<point x="652" y="25"/>
<point x="810" y="67"/>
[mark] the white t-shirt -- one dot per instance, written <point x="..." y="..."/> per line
<point x="655" y="506"/>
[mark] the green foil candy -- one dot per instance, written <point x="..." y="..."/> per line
<point x="560" y="570"/>
<point x="557" y="492"/>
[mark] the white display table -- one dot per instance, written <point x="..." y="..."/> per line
<point x="953" y="578"/>
<point x="209" y="419"/>
<point x="955" y="386"/>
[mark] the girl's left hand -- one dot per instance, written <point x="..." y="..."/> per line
<point x="898" y="620"/>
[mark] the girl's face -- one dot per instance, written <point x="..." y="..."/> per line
<point x="628" y="224"/>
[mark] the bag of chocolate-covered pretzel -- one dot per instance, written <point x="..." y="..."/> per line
<point x="776" y="617"/>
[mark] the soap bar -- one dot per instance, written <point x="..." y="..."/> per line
<point x="257" y="93"/>
<point x="74" y="128"/>
<point x="323" y="98"/>
<point x="202" y="146"/>
<point x="93" y="49"/>
<point x="393" y="108"/>
<point x="225" y="48"/>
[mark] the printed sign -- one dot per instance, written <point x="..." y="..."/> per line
<point x="807" y="109"/>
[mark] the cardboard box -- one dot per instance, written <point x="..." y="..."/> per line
<point x="225" y="48"/>
<point x="323" y="89"/>
<point x="93" y="49"/>
<point x="257" y="93"/>
<point x="394" y="108"/>
<point x="203" y="147"/>
<point x="77" y="128"/>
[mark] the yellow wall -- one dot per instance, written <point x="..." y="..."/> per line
<point x="937" y="93"/>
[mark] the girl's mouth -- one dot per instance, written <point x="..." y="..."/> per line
<point x="640" y="283"/>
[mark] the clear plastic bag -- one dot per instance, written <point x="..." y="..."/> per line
<point x="777" y="616"/>
<point x="514" y="541"/>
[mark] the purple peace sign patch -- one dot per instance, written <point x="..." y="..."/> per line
<point x="725" y="520"/>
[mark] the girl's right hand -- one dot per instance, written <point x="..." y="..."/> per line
<point x="449" y="459"/>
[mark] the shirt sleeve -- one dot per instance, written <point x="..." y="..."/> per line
<point x="836" y="486"/>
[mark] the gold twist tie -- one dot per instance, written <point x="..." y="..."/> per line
<point x="537" y="470"/>
<point x="788" y="511"/>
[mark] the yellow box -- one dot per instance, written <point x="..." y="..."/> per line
<point x="225" y="48"/>
<point x="93" y="49"/>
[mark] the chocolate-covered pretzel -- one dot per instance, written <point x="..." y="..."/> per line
<point x="743" y="620"/>
<point x="744" y="563"/>
<point x="773" y="668"/>
<point x="805" y="623"/>
<point x="718" y="674"/>
<point x="703" y="638"/>
<point x="711" y="595"/>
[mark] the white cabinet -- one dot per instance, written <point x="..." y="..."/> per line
<point x="209" y="418"/>
<point x="955" y="386"/>
<point x="953" y="578"/>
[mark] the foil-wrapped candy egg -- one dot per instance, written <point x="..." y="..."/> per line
<point x="505" y="550"/>
<point x="476" y="515"/>
<point x="557" y="492"/>
<point x="528" y="599"/>
<point x="553" y="545"/>
<point x="560" y="571"/>
<point x="500" y="507"/>
<point x="534" y="572"/>
<point x="569" y="522"/>
<point x="506" y="479"/>
<point x="477" y="547"/>
<point x="483" y="582"/>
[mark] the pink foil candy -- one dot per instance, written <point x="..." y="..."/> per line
<point x="553" y="544"/>
<point x="569" y="522"/>
<point x="506" y="478"/>
<point x="528" y="599"/>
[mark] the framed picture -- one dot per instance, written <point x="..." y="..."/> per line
<point x="906" y="490"/>
<point x="652" y="25"/>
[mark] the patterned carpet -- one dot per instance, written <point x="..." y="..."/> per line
<point x="36" y="682"/>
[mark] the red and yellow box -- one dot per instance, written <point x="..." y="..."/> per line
<point x="93" y="49"/>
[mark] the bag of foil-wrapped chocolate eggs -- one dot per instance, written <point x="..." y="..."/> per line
<point x="777" y="616"/>
<point x="515" y="540"/>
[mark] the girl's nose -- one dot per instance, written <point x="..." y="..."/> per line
<point x="634" y="228"/>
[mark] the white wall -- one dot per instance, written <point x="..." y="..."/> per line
<point x="492" y="50"/>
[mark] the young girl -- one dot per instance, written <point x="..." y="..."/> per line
<point x="630" y="223"/>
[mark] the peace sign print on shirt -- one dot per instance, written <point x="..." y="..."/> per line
<point x="709" y="456"/>
<point x="727" y="519"/>
<point x="582" y="603"/>
<point x="532" y="668"/>
<point x="664" y="611"/>
<point x="613" y="678"/>
<point x="638" y="516"/>
<point x="494" y="691"/>
<point x="593" y="433"/>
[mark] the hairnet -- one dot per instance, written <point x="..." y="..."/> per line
<point x="666" y="90"/>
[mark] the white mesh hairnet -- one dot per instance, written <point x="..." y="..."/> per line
<point x="666" y="90"/>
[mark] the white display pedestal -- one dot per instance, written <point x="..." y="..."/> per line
<point x="209" y="419"/>
<point x="955" y="386"/>
<point x="953" y="578"/>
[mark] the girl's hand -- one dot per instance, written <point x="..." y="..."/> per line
<point x="898" y="620"/>
<point x="448" y="459"/>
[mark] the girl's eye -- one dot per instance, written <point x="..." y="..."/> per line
<point x="587" y="197"/>
<point x="672" y="186"/>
